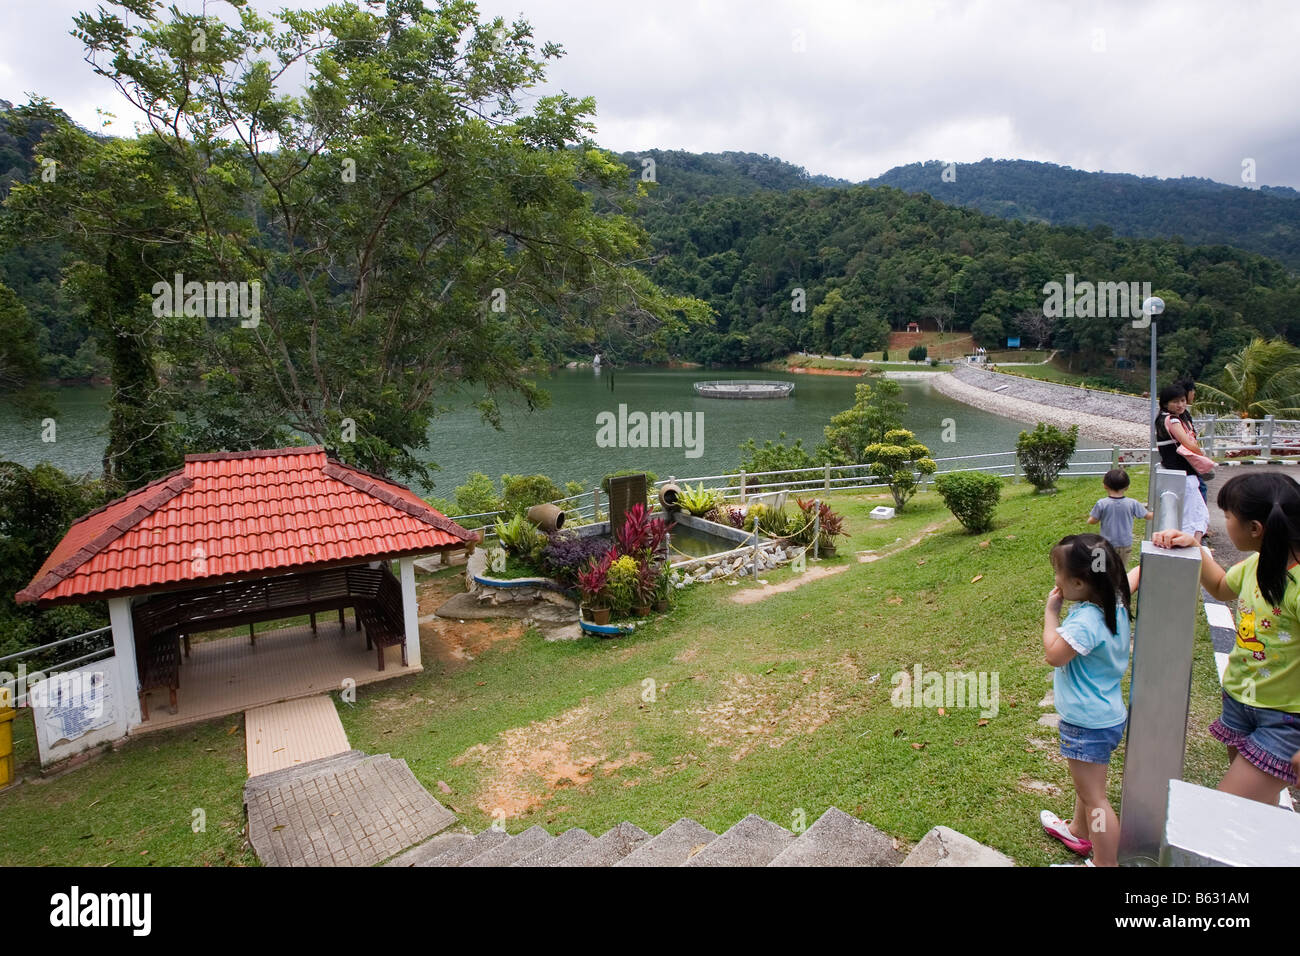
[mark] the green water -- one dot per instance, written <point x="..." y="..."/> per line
<point x="561" y="440"/>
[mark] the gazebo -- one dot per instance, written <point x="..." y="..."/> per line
<point x="238" y="538"/>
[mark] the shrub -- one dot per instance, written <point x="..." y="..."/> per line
<point x="566" y="554"/>
<point x="1045" y="452"/>
<point x="773" y="522"/>
<point x="624" y="573"/>
<point x="884" y="356"/>
<point x="830" y="525"/>
<point x="971" y="496"/>
<point x="917" y="353"/>
<point x="594" y="579"/>
<point x="521" y="538"/>
<point x="477" y="496"/>
<point x="521" y="492"/>
<point x="775" y="457"/>
<point x="699" y="500"/>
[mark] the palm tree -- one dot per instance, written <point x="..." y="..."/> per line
<point x="1262" y="379"/>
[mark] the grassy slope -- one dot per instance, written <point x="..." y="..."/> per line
<point x="767" y="708"/>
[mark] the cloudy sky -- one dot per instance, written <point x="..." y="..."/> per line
<point x="851" y="89"/>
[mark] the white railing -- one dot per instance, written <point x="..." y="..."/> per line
<point x="1229" y="437"/>
<point x="741" y="485"/>
<point x="9" y="662"/>
<point x="1232" y="437"/>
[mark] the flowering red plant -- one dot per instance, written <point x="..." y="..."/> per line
<point x="593" y="579"/>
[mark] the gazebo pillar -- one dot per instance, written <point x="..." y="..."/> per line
<point x="128" y="673"/>
<point x="410" y="611"/>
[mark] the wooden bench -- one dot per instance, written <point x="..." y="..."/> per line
<point x="163" y="622"/>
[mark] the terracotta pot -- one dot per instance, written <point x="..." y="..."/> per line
<point x="547" y="517"/>
<point x="643" y="610"/>
<point x="668" y="497"/>
<point x="598" y="615"/>
<point x="661" y="607"/>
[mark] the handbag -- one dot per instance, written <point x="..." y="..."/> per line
<point x="1204" y="466"/>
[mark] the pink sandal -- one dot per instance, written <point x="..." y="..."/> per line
<point x="1056" y="827"/>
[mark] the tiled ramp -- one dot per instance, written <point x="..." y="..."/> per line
<point x="291" y="733"/>
<point x="351" y="809"/>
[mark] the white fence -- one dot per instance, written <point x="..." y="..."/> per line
<point x="823" y="479"/>
<point x="1221" y="438"/>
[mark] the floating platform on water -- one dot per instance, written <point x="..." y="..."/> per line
<point x="741" y="388"/>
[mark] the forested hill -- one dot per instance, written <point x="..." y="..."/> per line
<point x="1201" y="211"/>
<point x="681" y="176"/>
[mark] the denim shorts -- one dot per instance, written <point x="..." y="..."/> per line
<point x="1267" y="738"/>
<point x="1091" y="745"/>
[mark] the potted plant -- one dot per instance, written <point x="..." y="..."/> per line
<point x="593" y="582"/>
<point x="663" y="585"/>
<point x="647" y="579"/>
<point x="621" y="586"/>
<point x="829" y="526"/>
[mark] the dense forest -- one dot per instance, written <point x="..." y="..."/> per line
<point x="789" y="260"/>
<point x="835" y="269"/>
<point x="1200" y="211"/>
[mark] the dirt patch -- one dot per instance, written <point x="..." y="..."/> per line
<point x="867" y="557"/>
<point x="447" y="640"/>
<point x="800" y="370"/>
<point x="525" y="766"/>
<point x="750" y="595"/>
<point x="754" y="711"/>
<point x="1025" y="785"/>
<point x="688" y="655"/>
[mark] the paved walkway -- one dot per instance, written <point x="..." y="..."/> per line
<point x="291" y="733"/>
<point x="352" y="809"/>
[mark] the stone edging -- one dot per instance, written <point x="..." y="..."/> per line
<point x="1120" y="426"/>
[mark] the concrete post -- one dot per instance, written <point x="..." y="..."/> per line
<point x="1212" y="436"/>
<point x="1114" y="456"/>
<point x="128" y="673"/>
<point x="410" y="611"/>
<point x="826" y="484"/>
<point x="595" y="504"/>
<point x="817" y="528"/>
<point x="742" y="486"/>
<point x="1167" y="500"/>
<point x="1167" y="602"/>
<point x="1266" y="446"/>
<point x="1015" y="472"/>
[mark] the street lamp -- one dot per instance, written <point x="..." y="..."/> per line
<point x="1150" y="309"/>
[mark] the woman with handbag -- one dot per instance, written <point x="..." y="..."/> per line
<point x="1180" y="452"/>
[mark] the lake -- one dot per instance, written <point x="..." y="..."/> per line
<point x="561" y="440"/>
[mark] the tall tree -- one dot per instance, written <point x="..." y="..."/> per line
<point x="115" y="206"/>
<point x="408" y="222"/>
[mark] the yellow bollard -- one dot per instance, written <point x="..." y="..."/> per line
<point x="6" y="746"/>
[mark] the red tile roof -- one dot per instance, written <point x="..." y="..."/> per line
<point x="238" y="514"/>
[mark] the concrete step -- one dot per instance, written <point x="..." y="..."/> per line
<point x="751" y="842"/>
<point x="837" y="839"/>
<point x="422" y="855"/>
<point x="564" y="845"/>
<point x="946" y="847"/>
<point x="609" y="848"/>
<point x="673" y="847"/>
<point x="325" y="765"/>
<point x="461" y="852"/>
<point x="517" y="847"/>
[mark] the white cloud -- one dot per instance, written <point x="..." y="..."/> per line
<point x="1153" y="87"/>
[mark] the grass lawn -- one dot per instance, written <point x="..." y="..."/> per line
<point x="780" y="707"/>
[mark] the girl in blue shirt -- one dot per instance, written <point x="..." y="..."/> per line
<point x="1090" y="651"/>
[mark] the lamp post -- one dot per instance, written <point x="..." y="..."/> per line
<point x="1150" y="309"/>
